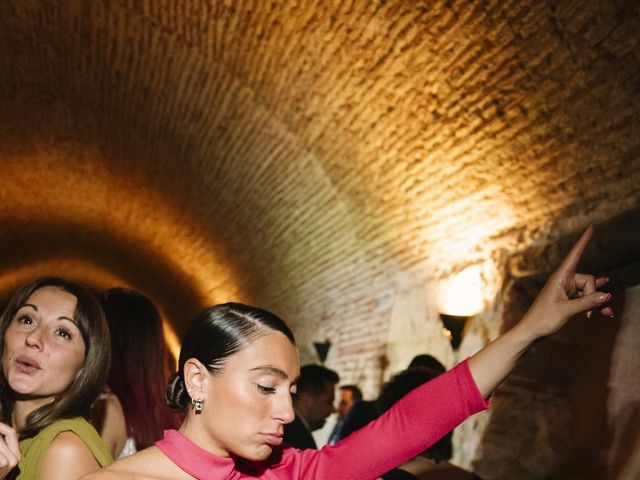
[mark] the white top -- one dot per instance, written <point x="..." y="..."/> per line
<point x="128" y="449"/>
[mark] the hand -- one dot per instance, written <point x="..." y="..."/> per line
<point x="9" y="449"/>
<point x="567" y="293"/>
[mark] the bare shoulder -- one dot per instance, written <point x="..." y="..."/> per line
<point x="114" y="429"/>
<point x="66" y="444"/>
<point x="148" y="464"/>
<point x="113" y="409"/>
<point x="112" y="401"/>
<point x="67" y="457"/>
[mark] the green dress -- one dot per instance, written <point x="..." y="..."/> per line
<point x="34" y="448"/>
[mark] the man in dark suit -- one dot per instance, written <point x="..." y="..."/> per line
<point x="349" y="394"/>
<point x="313" y="403"/>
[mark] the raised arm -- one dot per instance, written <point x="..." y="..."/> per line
<point x="565" y="294"/>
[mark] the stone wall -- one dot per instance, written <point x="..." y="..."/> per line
<point x="623" y="403"/>
<point x="570" y="409"/>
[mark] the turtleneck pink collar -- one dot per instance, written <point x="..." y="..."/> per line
<point x="194" y="460"/>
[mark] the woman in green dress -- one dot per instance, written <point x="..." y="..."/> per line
<point x="54" y="351"/>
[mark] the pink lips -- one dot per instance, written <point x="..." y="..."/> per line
<point x="274" y="439"/>
<point x="26" y="364"/>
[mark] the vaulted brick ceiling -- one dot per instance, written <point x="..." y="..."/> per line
<point x="298" y="154"/>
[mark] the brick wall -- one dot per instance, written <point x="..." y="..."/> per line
<point x="310" y="158"/>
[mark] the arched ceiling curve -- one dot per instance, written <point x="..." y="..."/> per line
<point x="65" y="209"/>
<point x="298" y="155"/>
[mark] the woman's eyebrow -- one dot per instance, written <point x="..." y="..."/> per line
<point x="62" y="317"/>
<point x="69" y="319"/>
<point x="276" y="371"/>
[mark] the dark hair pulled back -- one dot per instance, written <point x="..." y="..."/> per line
<point x="214" y="335"/>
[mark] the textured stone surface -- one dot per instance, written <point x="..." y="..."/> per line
<point x="623" y="406"/>
<point x="570" y="408"/>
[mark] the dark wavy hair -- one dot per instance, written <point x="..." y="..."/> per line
<point x="217" y="333"/>
<point x="83" y="390"/>
<point x="314" y="379"/>
<point x="403" y="383"/>
<point x="139" y="364"/>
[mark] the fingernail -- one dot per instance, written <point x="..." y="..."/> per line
<point x="589" y="314"/>
<point x="605" y="298"/>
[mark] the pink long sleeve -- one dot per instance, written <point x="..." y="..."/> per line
<point x="415" y="423"/>
<point x="411" y="426"/>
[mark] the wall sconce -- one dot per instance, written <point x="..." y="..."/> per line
<point x="462" y="296"/>
<point x="322" y="349"/>
<point x="454" y="328"/>
<point x="463" y="293"/>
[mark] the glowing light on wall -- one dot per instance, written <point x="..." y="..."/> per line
<point x="132" y="211"/>
<point x="463" y="294"/>
<point x="468" y="230"/>
<point x="63" y="266"/>
<point x="172" y="340"/>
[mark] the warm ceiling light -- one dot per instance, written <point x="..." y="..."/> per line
<point x="172" y="340"/>
<point x="463" y="294"/>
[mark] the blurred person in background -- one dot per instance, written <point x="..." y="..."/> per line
<point x="131" y="413"/>
<point x="312" y="403"/>
<point x="347" y="396"/>
<point x="433" y="463"/>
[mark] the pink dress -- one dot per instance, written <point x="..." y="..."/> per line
<point x="412" y="425"/>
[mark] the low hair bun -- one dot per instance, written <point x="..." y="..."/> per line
<point x="176" y="396"/>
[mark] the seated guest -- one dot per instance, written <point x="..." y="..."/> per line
<point x="433" y="463"/>
<point x="131" y="415"/>
<point x="54" y="350"/>
<point x="348" y="395"/>
<point x="312" y="403"/>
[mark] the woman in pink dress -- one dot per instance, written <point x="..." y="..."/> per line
<point x="237" y="371"/>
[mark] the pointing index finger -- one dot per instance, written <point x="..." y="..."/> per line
<point x="570" y="262"/>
